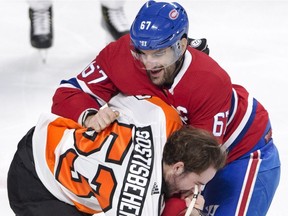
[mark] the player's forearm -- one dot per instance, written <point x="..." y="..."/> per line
<point x="71" y="103"/>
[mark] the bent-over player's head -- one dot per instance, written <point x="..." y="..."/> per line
<point x="159" y="40"/>
<point x="191" y="157"/>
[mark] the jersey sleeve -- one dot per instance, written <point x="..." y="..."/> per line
<point x="90" y="89"/>
<point x="112" y="71"/>
<point x="174" y="206"/>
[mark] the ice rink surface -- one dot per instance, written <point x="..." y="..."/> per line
<point x="247" y="38"/>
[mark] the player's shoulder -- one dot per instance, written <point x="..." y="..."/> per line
<point x="202" y="61"/>
<point x="51" y="122"/>
<point x="116" y="54"/>
<point x="141" y="103"/>
<point x="145" y="109"/>
<point x="205" y="70"/>
<point x="119" y="45"/>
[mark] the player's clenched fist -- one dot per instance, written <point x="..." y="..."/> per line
<point x="102" y="119"/>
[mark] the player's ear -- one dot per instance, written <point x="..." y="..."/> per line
<point x="178" y="168"/>
<point x="183" y="44"/>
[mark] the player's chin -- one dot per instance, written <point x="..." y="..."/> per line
<point x="158" y="81"/>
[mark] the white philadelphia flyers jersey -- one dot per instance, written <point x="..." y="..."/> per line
<point x="117" y="171"/>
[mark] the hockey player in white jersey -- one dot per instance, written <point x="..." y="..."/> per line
<point x="62" y="168"/>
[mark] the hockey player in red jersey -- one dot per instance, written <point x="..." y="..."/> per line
<point x="155" y="60"/>
<point x="62" y="168"/>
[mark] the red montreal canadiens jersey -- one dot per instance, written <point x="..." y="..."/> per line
<point x="118" y="170"/>
<point x="202" y="93"/>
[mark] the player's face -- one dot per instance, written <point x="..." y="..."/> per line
<point x="160" y="64"/>
<point x="184" y="183"/>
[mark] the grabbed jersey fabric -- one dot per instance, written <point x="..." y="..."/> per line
<point x="119" y="170"/>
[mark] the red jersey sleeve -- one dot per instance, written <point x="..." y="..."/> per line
<point x="91" y="88"/>
<point x="111" y="72"/>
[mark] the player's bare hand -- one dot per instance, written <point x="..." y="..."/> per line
<point x="197" y="207"/>
<point x="199" y="202"/>
<point x="102" y="119"/>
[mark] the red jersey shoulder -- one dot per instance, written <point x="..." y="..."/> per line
<point x="203" y="92"/>
<point x="204" y="78"/>
<point x="113" y="50"/>
<point x="206" y="70"/>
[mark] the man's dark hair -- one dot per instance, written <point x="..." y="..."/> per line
<point x="196" y="148"/>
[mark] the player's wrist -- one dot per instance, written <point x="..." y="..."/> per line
<point x="86" y="115"/>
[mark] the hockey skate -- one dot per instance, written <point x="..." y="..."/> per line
<point x="41" y="28"/>
<point x="115" y="21"/>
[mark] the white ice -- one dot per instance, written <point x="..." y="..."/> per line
<point x="247" y="38"/>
